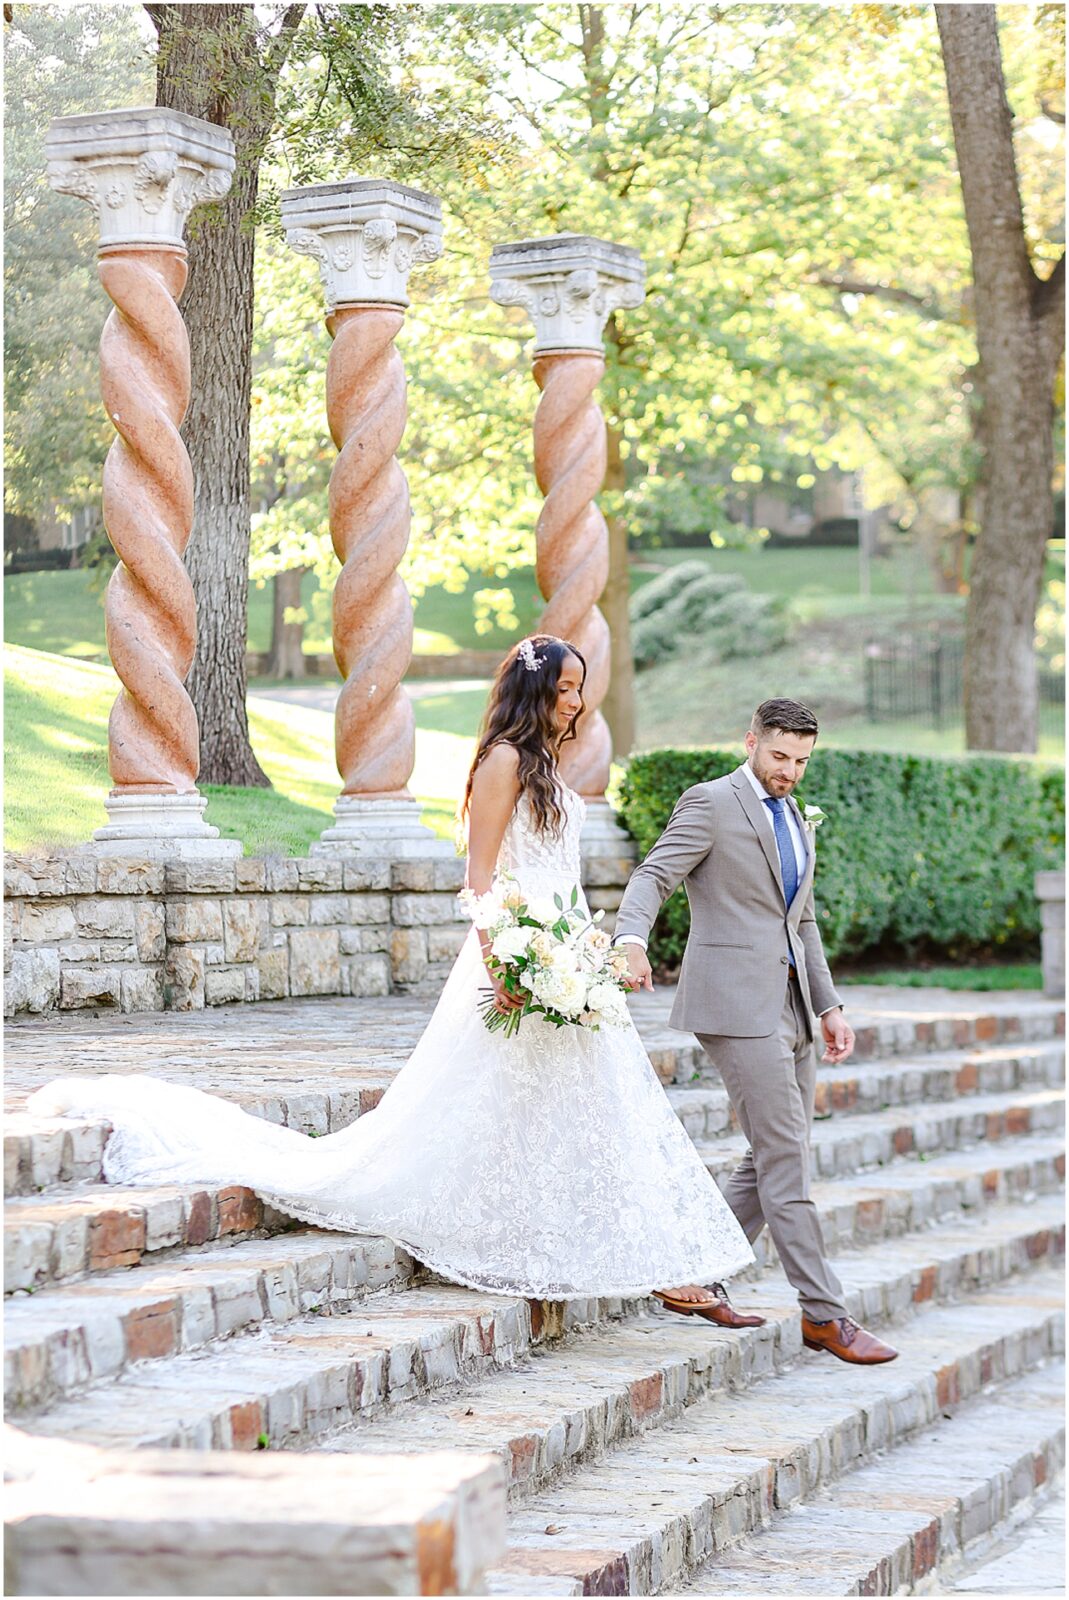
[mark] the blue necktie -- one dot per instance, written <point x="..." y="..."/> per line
<point x="785" y="845"/>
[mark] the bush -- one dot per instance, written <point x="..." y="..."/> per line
<point x="690" y="606"/>
<point x="918" y="854"/>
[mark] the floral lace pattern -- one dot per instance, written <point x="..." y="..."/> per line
<point x="549" y="1165"/>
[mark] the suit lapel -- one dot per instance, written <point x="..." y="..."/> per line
<point x="759" y="822"/>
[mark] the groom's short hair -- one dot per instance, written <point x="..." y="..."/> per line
<point x="784" y="716"/>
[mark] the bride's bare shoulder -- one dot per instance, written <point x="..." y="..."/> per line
<point x="499" y="768"/>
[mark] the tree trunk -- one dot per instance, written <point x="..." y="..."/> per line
<point x="618" y="707"/>
<point x="1020" y="340"/>
<point x="286" y="659"/>
<point x="211" y="65"/>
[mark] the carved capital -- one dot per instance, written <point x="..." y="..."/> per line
<point x="366" y="236"/>
<point x="568" y="285"/>
<point x="142" y="170"/>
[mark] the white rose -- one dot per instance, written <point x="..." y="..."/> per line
<point x="510" y="944"/>
<point x="541" y="907"/>
<point x="607" y="1001"/>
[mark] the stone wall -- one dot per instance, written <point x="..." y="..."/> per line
<point x="84" y="929"/>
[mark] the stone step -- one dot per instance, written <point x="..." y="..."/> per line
<point x="80" y="1521"/>
<point x="1025" y="1555"/>
<point x="643" y="1520"/>
<point x="878" y="1138"/>
<point x="890" y="1526"/>
<point x="97" y="1227"/>
<point x="570" y="1406"/>
<point x="290" y="1381"/>
<point x="322" y="1089"/>
<point x="894" y="1026"/>
<point x="706" y="1112"/>
<point x="58" y="1338"/>
<point x="293" y="1381"/>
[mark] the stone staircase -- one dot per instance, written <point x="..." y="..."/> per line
<point x="313" y="1413"/>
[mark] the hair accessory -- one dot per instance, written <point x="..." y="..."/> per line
<point x="528" y="657"/>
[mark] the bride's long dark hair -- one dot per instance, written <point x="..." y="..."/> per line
<point x="522" y="712"/>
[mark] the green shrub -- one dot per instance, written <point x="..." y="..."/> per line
<point x="689" y="606"/>
<point x="917" y="853"/>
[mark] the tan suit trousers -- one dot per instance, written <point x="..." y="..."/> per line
<point x="771" y="1083"/>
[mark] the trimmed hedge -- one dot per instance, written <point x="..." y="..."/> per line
<point x="917" y="853"/>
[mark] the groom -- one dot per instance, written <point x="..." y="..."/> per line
<point x="753" y="978"/>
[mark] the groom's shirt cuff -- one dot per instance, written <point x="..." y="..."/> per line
<point x="631" y="938"/>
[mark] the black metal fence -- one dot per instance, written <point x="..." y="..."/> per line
<point x="919" y="679"/>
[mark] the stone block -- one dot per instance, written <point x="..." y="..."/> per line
<point x="314" y="963"/>
<point x="604" y="899"/>
<point x="443" y="944"/>
<point x="223" y="984"/>
<point x="194" y="921"/>
<point x="150" y="931"/>
<point x="422" y="910"/>
<point x="79" y="950"/>
<point x="449" y="872"/>
<point x="46" y="921"/>
<point x="603" y="872"/>
<point x="289" y="910"/>
<point x="117" y="950"/>
<point x="319" y="872"/>
<point x="141" y="989"/>
<point x="33" y="876"/>
<point x="252" y="983"/>
<point x="366" y="908"/>
<point x="90" y="986"/>
<point x="408" y="955"/>
<point x="12" y="924"/>
<point x="241" y="929"/>
<point x="359" y="874"/>
<point x="363" y="941"/>
<point x="281" y="875"/>
<point x="184" y="979"/>
<point x="415" y="874"/>
<point x="80" y="872"/>
<point x="250" y="873"/>
<point x="214" y="955"/>
<point x="125" y="875"/>
<point x="110" y="918"/>
<point x="273" y="969"/>
<point x="328" y="909"/>
<point x="369" y="975"/>
<point x="200" y="877"/>
<point x="33" y="982"/>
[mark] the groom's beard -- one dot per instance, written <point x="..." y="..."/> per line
<point x="778" y="788"/>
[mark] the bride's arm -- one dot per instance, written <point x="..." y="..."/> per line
<point x="494" y="790"/>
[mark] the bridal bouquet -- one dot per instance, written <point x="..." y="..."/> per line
<point x="552" y="956"/>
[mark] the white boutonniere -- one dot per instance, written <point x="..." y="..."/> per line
<point x="813" y="817"/>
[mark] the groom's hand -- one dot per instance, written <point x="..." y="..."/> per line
<point x="838" y="1036"/>
<point x="639" y="971"/>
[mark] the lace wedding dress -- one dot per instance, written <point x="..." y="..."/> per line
<point x="549" y="1165"/>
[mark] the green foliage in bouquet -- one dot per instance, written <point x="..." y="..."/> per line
<point x="918" y="853"/>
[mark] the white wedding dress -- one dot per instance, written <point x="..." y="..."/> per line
<point x="549" y="1165"/>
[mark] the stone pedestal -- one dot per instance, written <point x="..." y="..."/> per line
<point x="366" y="235"/>
<point x="568" y="285"/>
<point x="143" y="171"/>
<point x="1050" y="892"/>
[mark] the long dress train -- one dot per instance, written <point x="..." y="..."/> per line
<point x="549" y="1165"/>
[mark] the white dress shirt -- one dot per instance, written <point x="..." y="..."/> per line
<point x="801" y="852"/>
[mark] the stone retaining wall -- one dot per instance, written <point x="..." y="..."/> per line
<point x="82" y="929"/>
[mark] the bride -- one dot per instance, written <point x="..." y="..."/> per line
<point x="548" y="1164"/>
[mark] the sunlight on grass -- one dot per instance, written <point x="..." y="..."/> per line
<point x="56" y="761"/>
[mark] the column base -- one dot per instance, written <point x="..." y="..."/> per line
<point x="602" y="835"/>
<point x="385" y="828"/>
<point x="159" y="827"/>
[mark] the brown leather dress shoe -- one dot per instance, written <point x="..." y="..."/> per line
<point x="843" y="1337"/>
<point x="720" y="1310"/>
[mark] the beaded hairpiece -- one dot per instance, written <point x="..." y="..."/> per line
<point x="528" y="657"/>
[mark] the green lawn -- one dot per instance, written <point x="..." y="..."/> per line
<point x="56" y="763"/>
<point x="979" y="979"/>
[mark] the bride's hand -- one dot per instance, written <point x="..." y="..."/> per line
<point x="504" y="1000"/>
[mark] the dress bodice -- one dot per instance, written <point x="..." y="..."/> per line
<point x="540" y="861"/>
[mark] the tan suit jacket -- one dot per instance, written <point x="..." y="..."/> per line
<point x="719" y="845"/>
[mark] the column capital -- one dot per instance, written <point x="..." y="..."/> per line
<point x="143" y="169"/>
<point x="568" y="285"/>
<point x="366" y="234"/>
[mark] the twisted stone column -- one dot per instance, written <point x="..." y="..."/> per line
<point x="144" y="170"/>
<point x="568" y="285"/>
<point x="366" y="235"/>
